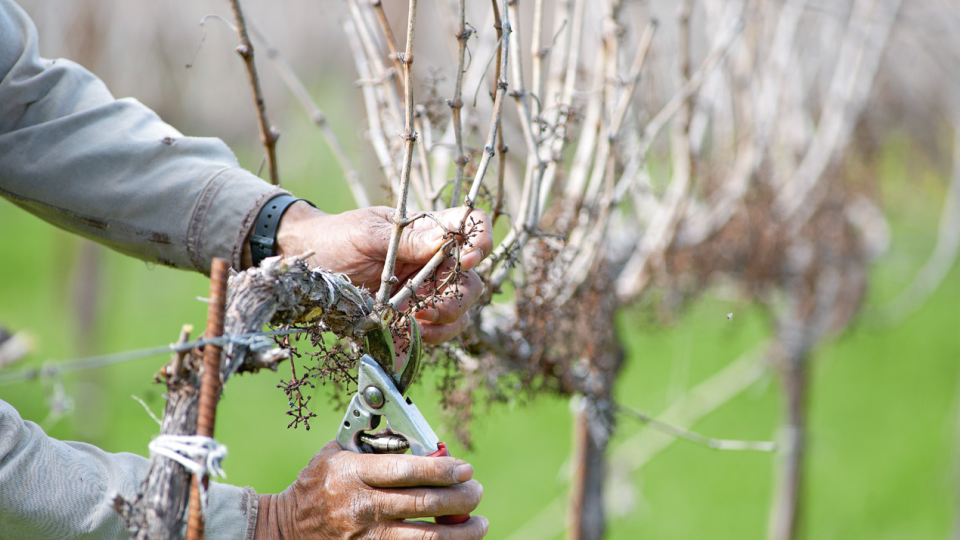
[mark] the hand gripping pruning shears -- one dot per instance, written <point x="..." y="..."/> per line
<point x="380" y="397"/>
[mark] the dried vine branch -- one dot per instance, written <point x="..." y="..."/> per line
<point x="317" y="116"/>
<point x="859" y="57"/>
<point x="376" y="132"/>
<point x="533" y="176"/>
<point x="697" y="438"/>
<point x="537" y="52"/>
<point x="501" y="146"/>
<point x="559" y="107"/>
<point x="456" y="104"/>
<point x="657" y="123"/>
<point x="268" y="134"/>
<point x="384" y="103"/>
<point x="488" y="148"/>
<point x="388" y="279"/>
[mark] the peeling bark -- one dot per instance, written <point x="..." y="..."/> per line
<point x="157" y="512"/>
<point x="285" y="292"/>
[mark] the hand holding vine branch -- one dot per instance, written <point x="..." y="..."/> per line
<point x="355" y="244"/>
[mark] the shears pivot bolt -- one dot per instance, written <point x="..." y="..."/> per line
<point x="373" y="397"/>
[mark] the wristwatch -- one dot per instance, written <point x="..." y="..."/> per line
<point x="263" y="237"/>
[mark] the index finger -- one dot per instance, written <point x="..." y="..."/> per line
<point x="391" y="470"/>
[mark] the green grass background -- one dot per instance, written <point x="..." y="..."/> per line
<point x="883" y="422"/>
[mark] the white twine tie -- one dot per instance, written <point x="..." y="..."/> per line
<point x="199" y="455"/>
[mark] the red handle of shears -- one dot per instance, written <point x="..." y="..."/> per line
<point x="447" y="520"/>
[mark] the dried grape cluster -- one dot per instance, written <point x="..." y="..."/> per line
<point x="333" y="364"/>
<point x="328" y="363"/>
<point x="444" y="285"/>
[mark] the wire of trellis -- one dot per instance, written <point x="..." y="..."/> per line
<point x="254" y="340"/>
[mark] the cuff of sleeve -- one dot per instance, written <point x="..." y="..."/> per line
<point x="231" y="513"/>
<point x="224" y="215"/>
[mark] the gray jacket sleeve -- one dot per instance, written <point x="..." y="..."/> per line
<point x="110" y="169"/>
<point x="58" y="490"/>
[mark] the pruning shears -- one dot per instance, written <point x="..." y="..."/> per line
<point x="381" y="386"/>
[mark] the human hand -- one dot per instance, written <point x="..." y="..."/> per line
<point x="341" y="494"/>
<point x="355" y="243"/>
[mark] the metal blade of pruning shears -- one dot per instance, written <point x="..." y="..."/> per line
<point x="411" y="364"/>
<point x="379" y="345"/>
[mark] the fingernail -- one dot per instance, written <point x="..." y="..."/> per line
<point x="464" y="472"/>
<point x="428" y="314"/>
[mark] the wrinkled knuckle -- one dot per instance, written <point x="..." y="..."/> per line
<point x="366" y="507"/>
<point x="342" y="512"/>
<point x="420" y="503"/>
<point x="433" y="535"/>
<point x="428" y="503"/>
<point x="326" y="490"/>
<point x="380" y="533"/>
<point x="401" y="469"/>
<point x="429" y="469"/>
<point x="330" y="486"/>
<point x="445" y="469"/>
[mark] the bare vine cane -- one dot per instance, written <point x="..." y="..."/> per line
<point x="489" y="150"/>
<point x="268" y="134"/>
<point x="456" y="104"/>
<point x="317" y="117"/>
<point x="209" y="385"/>
<point x="387" y="279"/>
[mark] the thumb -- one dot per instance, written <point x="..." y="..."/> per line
<point x="417" y="246"/>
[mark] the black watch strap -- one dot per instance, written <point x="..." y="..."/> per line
<point x="263" y="238"/>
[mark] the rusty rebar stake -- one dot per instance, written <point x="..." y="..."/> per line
<point x="209" y="384"/>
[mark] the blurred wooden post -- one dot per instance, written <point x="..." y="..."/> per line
<point x="587" y="513"/>
<point x="788" y="501"/>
